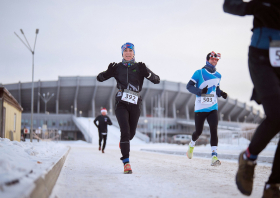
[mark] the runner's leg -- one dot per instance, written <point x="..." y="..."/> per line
<point x="100" y="138"/>
<point x="266" y="82"/>
<point x="268" y="128"/>
<point x="199" y="122"/>
<point x="134" y="114"/>
<point x="104" y="142"/>
<point x="212" y="120"/>
<point x="275" y="174"/>
<point x="122" y="115"/>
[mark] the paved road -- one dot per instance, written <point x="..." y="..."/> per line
<point x="89" y="173"/>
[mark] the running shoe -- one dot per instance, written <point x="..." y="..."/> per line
<point x="215" y="161"/>
<point x="190" y="152"/>
<point x="99" y="148"/>
<point x="245" y="175"/>
<point x="127" y="169"/>
<point x="103" y="151"/>
<point x="271" y="191"/>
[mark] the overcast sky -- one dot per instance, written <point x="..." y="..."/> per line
<point x="80" y="38"/>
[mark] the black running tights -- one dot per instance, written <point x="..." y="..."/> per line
<point x="128" y="116"/>
<point x="104" y="137"/>
<point x="266" y="80"/>
<point x="212" y="119"/>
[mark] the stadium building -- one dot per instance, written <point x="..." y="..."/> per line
<point x="167" y="108"/>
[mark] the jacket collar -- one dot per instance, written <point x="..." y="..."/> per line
<point x="209" y="67"/>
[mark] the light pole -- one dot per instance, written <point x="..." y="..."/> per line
<point x="146" y="126"/>
<point x="46" y="98"/>
<point x="32" y="92"/>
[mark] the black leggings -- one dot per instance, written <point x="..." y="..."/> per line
<point x="128" y="116"/>
<point x="266" y="80"/>
<point x="212" y="119"/>
<point x="104" y="137"/>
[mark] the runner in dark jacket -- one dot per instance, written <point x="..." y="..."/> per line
<point x="103" y="122"/>
<point x="265" y="73"/>
<point x="129" y="76"/>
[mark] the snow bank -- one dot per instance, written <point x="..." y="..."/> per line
<point x="21" y="163"/>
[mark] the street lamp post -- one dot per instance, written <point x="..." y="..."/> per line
<point x="146" y="126"/>
<point x="46" y="98"/>
<point x="32" y="92"/>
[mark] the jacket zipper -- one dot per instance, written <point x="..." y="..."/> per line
<point x="127" y="78"/>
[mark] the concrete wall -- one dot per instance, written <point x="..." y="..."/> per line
<point x="12" y="115"/>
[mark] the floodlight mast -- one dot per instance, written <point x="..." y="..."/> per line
<point x="32" y="91"/>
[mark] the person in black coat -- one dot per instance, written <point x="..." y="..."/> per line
<point x="103" y="122"/>
<point x="264" y="67"/>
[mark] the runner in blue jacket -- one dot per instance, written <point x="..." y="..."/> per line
<point x="205" y="84"/>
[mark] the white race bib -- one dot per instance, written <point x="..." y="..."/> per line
<point x="208" y="99"/>
<point x="130" y="96"/>
<point x="274" y="53"/>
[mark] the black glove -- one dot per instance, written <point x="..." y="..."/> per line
<point x="204" y="90"/>
<point x="157" y="79"/>
<point x="98" y="78"/>
<point x="146" y="72"/>
<point x="110" y="67"/>
<point x="236" y="7"/>
<point x="106" y="74"/>
<point x="224" y="95"/>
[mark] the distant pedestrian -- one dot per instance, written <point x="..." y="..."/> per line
<point x="24" y="134"/>
<point x="103" y="121"/>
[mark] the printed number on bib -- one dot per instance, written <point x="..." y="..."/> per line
<point x="130" y="96"/>
<point x="207" y="99"/>
<point x="274" y="53"/>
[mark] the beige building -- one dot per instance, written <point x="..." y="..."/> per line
<point x="10" y="116"/>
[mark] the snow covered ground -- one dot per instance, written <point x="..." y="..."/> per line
<point x="89" y="173"/>
<point x="21" y="163"/>
<point x="269" y="151"/>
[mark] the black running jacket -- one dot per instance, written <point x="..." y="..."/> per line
<point x="266" y="12"/>
<point x="131" y="77"/>
<point x="103" y="121"/>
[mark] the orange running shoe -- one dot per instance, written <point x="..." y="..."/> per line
<point x="127" y="169"/>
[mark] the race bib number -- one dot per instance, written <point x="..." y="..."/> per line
<point x="274" y="53"/>
<point x="130" y="96"/>
<point x="207" y="99"/>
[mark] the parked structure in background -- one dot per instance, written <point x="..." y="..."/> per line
<point x="168" y="108"/>
<point x="10" y="116"/>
